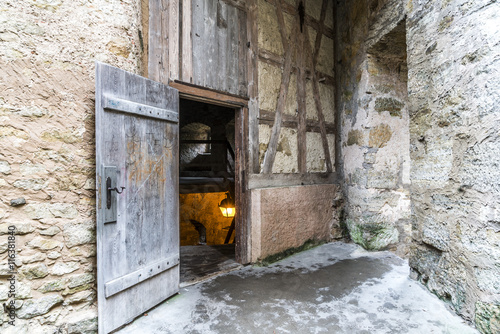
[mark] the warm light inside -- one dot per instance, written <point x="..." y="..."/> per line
<point x="227" y="212"/>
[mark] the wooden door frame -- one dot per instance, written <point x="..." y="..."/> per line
<point x="240" y="105"/>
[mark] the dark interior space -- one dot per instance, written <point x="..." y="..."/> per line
<point x="206" y="190"/>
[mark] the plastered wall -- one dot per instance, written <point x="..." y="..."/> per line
<point x="47" y="166"/>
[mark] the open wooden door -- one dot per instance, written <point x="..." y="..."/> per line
<point x="138" y="197"/>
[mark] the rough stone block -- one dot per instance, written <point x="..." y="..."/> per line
<point x="34" y="271"/>
<point x="4" y="167"/>
<point x="79" y="233"/>
<point x="17" y="202"/>
<point x="30" y="169"/>
<point x="51" y="231"/>
<point x="33" y="308"/>
<point x="45" y="244"/>
<point x="37" y="257"/>
<point x="56" y="285"/>
<point x="31" y="184"/>
<point x="373" y="236"/>
<point x="61" y="268"/>
<point x="21" y="228"/>
<point x="487" y="318"/>
<point x="380" y="135"/>
<point x="85" y="324"/>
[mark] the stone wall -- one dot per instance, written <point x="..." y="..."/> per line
<point x="454" y="104"/>
<point x="373" y="108"/>
<point x="47" y="166"/>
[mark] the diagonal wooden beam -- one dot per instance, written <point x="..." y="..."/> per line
<point x="285" y="80"/>
<point x="317" y="100"/>
<point x="319" y="33"/>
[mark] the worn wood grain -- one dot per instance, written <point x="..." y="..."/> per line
<point x="301" y="107"/>
<point x="338" y="124"/>
<point x="144" y="152"/>
<point x="173" y="39"/>
<point x="203" y="94"/>
<point x="291" y="121"/>
<point x="187" y="42"/>
<point x="158" y="43"/>
<point x="287" y="46"/>
<point x="253" y="86"/>
<point x="289" y="180"/>
<point x="241" y="44"/>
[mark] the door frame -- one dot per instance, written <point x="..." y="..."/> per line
<point x="240" y="105"/>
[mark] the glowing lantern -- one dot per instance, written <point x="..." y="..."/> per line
<point x="227" y="206"/>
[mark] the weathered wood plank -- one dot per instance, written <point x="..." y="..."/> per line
<point x="198" y="35"/>
<point x="187" y="42"/>
<point x="271" y="57"/>
<point x="144" y="37"/>
<point x="338" y="123"/>
<point x="173" y="39"/>
<point x="289" y="180"/>
<point x="291" y="121"/>
<point x="232" y="60"/>
<point x="317" y="100"/>
<point x="273" y="142"/>
<point x="301" y="106"/>
<point x="139" y="109"/>
<point x="143" y="151"/>
<point x="239" y="4"/>
<point x="253" y="89"/>
<point x="210" y="44"/>
<point x="222" y="54"/>
<point x="242" y="219"/>
<point x="158" y="43"/>
<point x="242" y="83"/>
<point x="124" y="282"/>
<point x="203" y="94"/>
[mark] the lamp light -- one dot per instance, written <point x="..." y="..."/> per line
<point x="226" y="206"/>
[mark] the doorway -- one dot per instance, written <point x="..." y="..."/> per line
<point x="207" y="197"/>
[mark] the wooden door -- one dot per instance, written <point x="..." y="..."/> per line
<point x="137" y="225"/>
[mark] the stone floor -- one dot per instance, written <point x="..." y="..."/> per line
<point x="203" y="261"/>
<point x="334" y="288"/>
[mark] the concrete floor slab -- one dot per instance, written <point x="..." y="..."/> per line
<point x="334" y="288"/>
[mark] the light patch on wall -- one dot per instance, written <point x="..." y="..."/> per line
<point x="286" y="159"/>
<point x="327" y="93"/>
<point x="312" y="111"/>
<point x="268" y="34"/>
<point x="270" y="78"/>
<point x="291" y="99"/>
<point x="315" y="153"/>
<point x="264" y="137"/>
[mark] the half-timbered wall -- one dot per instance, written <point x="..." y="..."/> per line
<point x="296" y="87"/>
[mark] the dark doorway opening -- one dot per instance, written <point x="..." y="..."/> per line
<point x="206" y="179"/>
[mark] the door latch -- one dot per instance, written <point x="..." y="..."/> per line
<point x="111" y="207"/>
<point x="109" y="190"/>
